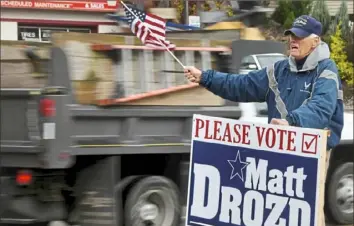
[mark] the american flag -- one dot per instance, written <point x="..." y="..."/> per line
<point x="149" y="28"/>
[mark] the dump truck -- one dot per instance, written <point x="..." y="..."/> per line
<point x="123" y="158"/>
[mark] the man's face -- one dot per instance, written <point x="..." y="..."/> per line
<point x="301" y="47"/>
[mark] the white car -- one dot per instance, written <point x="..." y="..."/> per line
<point x="259" y="61"/>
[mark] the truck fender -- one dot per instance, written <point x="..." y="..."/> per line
<point x="123" y="184"/>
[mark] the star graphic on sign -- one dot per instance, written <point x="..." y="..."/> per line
<point x="237" y="166"/>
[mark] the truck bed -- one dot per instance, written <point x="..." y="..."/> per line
<point x="137" y="129"/>
<point x="92" y="130"/>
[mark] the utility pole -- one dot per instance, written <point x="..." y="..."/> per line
<point x="186" y="12"/>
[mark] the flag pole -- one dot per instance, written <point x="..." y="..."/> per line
<point x="173" y="55"/>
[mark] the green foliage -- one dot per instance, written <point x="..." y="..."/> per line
<point x="343" y="17"/>
<point x="339" y="56"/>
<point x="320" y="12"/>
<point x="346" y="32"/>
<point x="289" y="20"/>
<point x="208" y="6"/>
<point x="302" y="7"/>
<point x="179" y="5"/>
<point x="288" y="10"/>
<point x="350" y="46"/>
<point x="282" y="11"/>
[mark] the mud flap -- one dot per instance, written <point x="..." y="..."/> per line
<point x="96" y="204"/>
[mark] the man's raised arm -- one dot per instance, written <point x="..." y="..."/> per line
<point x="252" y="87"/>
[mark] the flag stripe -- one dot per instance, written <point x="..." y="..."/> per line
<point x="154" y="20"/>
<point x="153" y="27"/>
<point x="145" y="35"/>
<point x="156" y="34"/>
<point x="140" y="30"/>
<point x="157" y="19"/>
<point x="157" y="43"/>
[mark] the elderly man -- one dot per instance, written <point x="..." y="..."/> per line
<point x="303" y="91"/>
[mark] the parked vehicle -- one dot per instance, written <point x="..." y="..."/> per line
<point x="259" y="61"/>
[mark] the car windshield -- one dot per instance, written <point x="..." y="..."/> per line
<point x="266" y="60"/>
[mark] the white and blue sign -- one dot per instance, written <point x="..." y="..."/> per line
<point x="252" y="174"/>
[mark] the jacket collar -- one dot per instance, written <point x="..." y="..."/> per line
<point x="320" y="53"/>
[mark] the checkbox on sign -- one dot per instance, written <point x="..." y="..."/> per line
<point x="309" y="143"/>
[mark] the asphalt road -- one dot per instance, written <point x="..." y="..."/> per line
<point x="63" y="224"/>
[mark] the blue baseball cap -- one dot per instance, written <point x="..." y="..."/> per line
<point x="304" y="26"/>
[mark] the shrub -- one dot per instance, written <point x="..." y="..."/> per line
<point x="339" y="56"/>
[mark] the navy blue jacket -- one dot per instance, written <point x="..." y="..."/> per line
<point x="311" y="97"/>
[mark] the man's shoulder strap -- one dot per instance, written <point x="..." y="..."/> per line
<point x="273" y="85"/>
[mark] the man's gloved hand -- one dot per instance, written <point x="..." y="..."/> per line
<point x="193" y="74"/>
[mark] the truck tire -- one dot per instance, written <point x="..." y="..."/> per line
<point x="153" y="201"/>
<point x="340" y="194"/>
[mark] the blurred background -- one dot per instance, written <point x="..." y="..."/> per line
<point x="112" y="96"/>
<point x="34" y="21"/>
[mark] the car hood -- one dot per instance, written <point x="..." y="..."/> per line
<point x="347" y="133"/>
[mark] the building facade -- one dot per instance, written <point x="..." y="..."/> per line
<point x="333" y="6"/>
<point x="34" y="20"/>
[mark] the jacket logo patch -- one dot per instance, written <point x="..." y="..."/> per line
<point x="307" y="85"/>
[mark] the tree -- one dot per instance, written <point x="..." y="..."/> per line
<point x="320" y="12"/>
<point x="217" y="4"/>
<point x="287" y="10"/>
<point x="283" y="13"/>
<point x="346" y="31"/>
<point x="179" y="5"/>
<point x="302" y="7"/>
<point x="343" y="17"/>
<point x="350" y="47"/>
<point x="339" y="56"/>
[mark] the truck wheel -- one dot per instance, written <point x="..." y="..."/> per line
<point x="153" y="201"/>
<point x="340" y="194"/>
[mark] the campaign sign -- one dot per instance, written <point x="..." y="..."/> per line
<point x="252" y="174"/>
